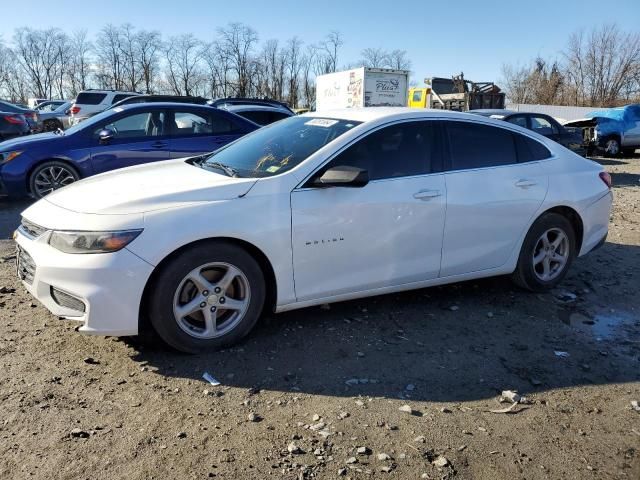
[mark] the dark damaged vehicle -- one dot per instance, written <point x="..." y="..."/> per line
<point x="542" y="124"/>
<point x="612" y="131"/>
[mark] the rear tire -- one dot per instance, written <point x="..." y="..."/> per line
<point x="207" y="297"/>
<point x="547" y="253"/>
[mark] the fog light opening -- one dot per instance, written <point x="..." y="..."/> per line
<point x="67" y="301"/>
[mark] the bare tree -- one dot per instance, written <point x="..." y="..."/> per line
<point x="603" y="65"/>
<point x="148" y="45"/>
<point x="330" y="47"/>
<point x="110" y="63"/>
<point x="294" y="65"/>
<point x="238" y="41"/>
<point x="79" y="67"/>
<point x="375" y="58"/>
<point x="308" y="84"/>
<point x="38" y="56"/>
<point x="399" y="60"/>
<point x="183" y="56"/>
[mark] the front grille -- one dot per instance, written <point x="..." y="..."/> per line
<point x="31" y="229"/>
<point x="25" y="265"/>
<point x="68" y="301"/>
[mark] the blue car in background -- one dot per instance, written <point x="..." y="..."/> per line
<point x="121" y="137"/>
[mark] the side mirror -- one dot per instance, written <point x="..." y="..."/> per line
<point x="342" y="176"/>
<point x="105" y="136"/>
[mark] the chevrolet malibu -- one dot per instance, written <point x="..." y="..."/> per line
<point x="313" y="209"/>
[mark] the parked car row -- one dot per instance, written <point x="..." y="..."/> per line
<point x="125" y="136"/>
<point x="309" y="210"/>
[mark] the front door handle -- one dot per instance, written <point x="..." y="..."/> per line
<point x="427" y="194"/>
<point x="524" y="183"/>
<point x="159" y="144"/>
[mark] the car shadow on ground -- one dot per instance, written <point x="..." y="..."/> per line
<point x="460" y="342"/>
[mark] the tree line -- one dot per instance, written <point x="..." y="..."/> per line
<point x="600" y="67"/>
<point x="51" y="63"/>
<point x="597" y="68"/>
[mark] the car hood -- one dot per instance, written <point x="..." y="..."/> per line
<point x="29" y="141"/>
<point x="144" y="188"/>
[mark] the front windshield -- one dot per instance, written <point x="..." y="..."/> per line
<point x="90" y="121"/>
<point x="280" y="146"/>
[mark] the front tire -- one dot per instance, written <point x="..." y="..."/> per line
<point x="612" y="147"/>
<point x="207" y="297"/>
<point x="50" y="176"/>
<point x="547" y="253"/>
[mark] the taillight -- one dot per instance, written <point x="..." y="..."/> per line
<point x="16" y="120"/>
<point x="606" y="178"/>
<point x="75" y="110"/>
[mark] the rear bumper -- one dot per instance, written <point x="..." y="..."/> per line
<point x="595" y="220"/>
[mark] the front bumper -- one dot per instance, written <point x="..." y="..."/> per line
<point x="110" y="285"/>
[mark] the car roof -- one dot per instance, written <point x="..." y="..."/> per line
<point x="493" y="111"/>
<point x="134" y="106"/>
<point x="368" y="114"/>
<point x="254" y="108"/>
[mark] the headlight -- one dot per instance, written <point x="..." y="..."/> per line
<point x="92" y="242"/>
<point x="6" y="157"/>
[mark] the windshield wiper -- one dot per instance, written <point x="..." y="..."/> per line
<point x="221" y="166"/>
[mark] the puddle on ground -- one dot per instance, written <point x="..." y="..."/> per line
<point x="604" y="325"/>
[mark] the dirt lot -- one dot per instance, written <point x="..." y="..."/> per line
<point x="317" y="393"/>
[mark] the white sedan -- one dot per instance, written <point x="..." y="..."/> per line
<point x="313" y="209"/>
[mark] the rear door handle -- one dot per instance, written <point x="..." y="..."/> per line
<point x="524" y="183"/>
<point x="159" y="144"/>
<point x="427" y="194"/>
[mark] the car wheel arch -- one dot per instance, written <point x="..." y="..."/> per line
<point x="52" y="159"/>
<point x="254" y="251"/>
<point x="570" y="214"/>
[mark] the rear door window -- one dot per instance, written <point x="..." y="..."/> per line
<point x="473" y="145"/>
<point x="260" y="117"/>
<point x="519" y="120"/>
<point x="190" y="123"/>
<point x="90" y="98"/>
<point x="119" y="97"/>
<point x="543" y="126"/>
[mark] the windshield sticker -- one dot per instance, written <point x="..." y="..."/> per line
<point x="117" y="109"/>
<point x="321" y="122"/>
<point x="273" y="168"/>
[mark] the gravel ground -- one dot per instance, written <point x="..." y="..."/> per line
<point x="321" y="393"/>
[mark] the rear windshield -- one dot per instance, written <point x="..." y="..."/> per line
<point x="280" y="146"/>
<point x="87" y="98"/>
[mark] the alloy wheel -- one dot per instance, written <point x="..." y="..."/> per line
<point x="211" y="300"/>
<point x="612" y="147"/>
<point x="52" y="178"/>
<point x="550" y="255"/>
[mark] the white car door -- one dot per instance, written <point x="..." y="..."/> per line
<point x="389" y="232"/>
<point x="495" y="184"/>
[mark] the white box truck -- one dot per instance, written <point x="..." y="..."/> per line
<point x="362" y="87"/>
